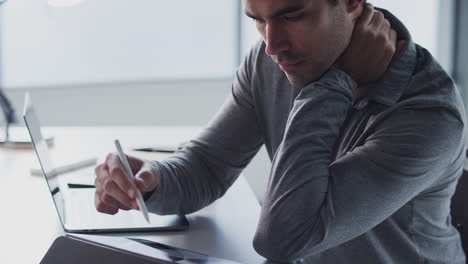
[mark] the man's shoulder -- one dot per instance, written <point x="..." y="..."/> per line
<point x="431" y="86"/>
<point x="259" y="62"/>
<point x="258" y="50"/>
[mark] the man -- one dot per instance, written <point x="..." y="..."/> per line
<point x="365" y="137"/>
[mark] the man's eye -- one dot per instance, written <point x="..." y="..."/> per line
<point x="293" y="18"/>
<point x="258" y="21"/>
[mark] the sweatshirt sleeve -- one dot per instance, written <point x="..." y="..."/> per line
<point x="313" y="204"/>
<point x="207" y="166"/>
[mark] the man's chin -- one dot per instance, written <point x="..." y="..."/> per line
<point x="301" y="79"/>
<point x="298" y="81"/>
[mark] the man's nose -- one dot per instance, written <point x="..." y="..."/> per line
<point x="275" y="39"/>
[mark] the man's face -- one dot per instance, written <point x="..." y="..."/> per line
<point x="304" y="37"/>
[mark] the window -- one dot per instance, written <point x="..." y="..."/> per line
<point x="461" y="49"/>
<point x="116" y="41"/>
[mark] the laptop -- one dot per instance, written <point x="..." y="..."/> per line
<point x="73" y="194"/>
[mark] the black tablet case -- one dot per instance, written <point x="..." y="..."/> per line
<point x="73" y="251"/>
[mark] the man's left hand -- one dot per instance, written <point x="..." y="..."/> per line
<point x="371" y="49"/>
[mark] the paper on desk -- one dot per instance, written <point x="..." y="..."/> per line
<point x="65" y="168"/>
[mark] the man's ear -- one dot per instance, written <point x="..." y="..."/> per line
<point x="354" y="8"/>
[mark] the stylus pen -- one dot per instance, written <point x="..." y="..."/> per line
<point x="131" y="177"/>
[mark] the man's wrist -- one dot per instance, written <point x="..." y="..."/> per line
<point x="336" y="75"/>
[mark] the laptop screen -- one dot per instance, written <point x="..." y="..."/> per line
<point x="76" y="208"/>
<point x="42" y="151"/>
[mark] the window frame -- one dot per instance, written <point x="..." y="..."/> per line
<point x="460" y="56"/>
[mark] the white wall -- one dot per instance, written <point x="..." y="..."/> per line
<point x="421" y="17"/>
<point x="116" y="40"/>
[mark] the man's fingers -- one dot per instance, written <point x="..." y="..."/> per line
<point x="147" y="179"/>
<point x="391" y="45"/>
<point x="105" y="201"/>
<point x="102" y="207"/>
<point x="120" y="177"/>
<point x="113" y="162"/>
<point x="140" y="184"/>
<point x="114" y="189"/>
<point x="135" y="163"/>
<point x="393" y="37"/>
<point x="110" y="197"/>
<point x="143" y="186"/>
<point x="385" y="28"/>
<point x="145" y="182"/>
<point x="377" y="20"/>
<point x="115" y="192"/>
<point x="366" y="15"/>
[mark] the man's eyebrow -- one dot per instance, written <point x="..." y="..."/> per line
<point x="280" y="12"/>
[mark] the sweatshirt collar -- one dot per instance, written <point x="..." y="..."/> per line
<point x="390" y="87"/>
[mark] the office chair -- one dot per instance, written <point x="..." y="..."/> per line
<point x="459" y="209"/>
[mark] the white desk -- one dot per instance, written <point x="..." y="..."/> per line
<point x="29" y="222"/>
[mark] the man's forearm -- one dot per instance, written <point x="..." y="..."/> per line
<point x="211" y="162"/>
<point x="290" y="218"/>
<point x="187" y="184"/>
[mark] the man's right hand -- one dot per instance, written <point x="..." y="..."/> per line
<point x="115" y="191"/>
